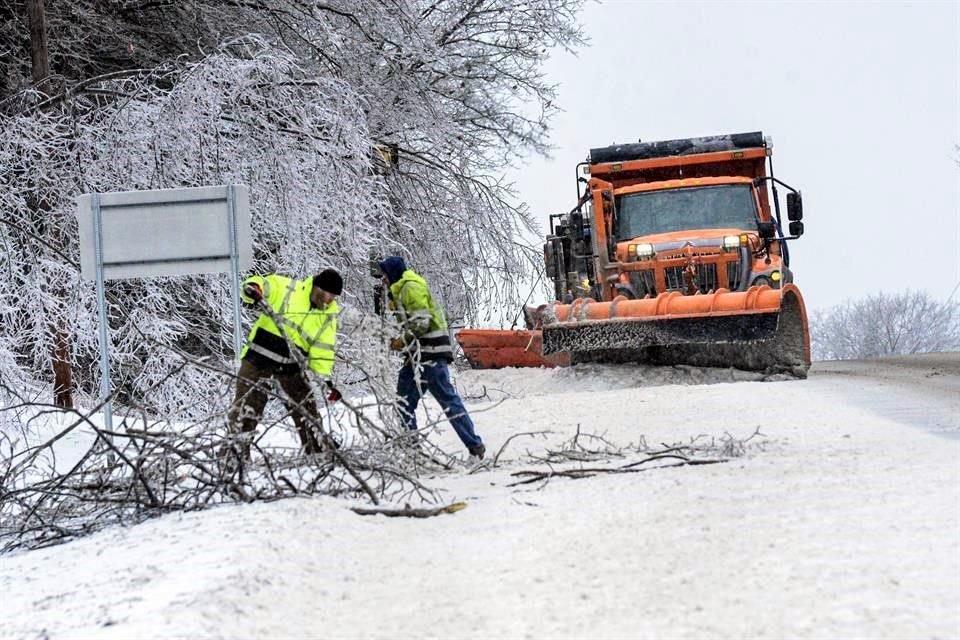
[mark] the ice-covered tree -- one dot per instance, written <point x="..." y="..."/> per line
<point x="886" y="324"/>
<point x="290" y="98"/>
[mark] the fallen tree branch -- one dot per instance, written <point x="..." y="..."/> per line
<point x="410" y="512"/>
<point x="577" y="474"/>
<point x="516" y="435"/>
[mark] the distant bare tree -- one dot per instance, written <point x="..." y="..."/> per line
<point x="886" y="324"/>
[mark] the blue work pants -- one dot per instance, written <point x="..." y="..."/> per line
<point x="435" y="377"/>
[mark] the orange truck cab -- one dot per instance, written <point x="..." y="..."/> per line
<point x="672" y="255"/>
<point x="690" y="215"/>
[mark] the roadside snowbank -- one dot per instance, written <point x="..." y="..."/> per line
<point x="838" y="522"/>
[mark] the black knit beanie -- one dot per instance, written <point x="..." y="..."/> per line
<point x="330" y="281"/>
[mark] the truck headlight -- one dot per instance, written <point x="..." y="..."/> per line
<point x="643" y="251"/>
<point x="731" y="242"/>
<point x="772" y="281"/>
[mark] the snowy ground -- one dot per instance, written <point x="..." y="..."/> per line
<point x="843" y="520"/>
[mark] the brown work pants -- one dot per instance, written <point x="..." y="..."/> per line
<point x="251" y="398"/>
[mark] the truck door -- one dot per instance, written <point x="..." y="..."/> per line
<point x="604" y="238"/>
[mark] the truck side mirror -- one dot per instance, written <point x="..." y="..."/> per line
<point x="767" y="230"/>
<point x="794" y="207"/>
<point x="796" y="228"/>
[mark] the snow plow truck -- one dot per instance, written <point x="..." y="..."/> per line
<point x="675" y="253"/>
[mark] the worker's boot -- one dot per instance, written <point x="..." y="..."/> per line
<point x="476" y="455"/>
<point x="235" y="453"/>
<point x="479" y="451"/>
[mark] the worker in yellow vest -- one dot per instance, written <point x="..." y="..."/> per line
<point x="297" y="329"/>
<point x="425" y="345"/>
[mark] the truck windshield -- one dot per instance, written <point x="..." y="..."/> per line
<point x="720" y="207"/>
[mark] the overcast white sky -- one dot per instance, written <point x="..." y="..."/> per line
<point x="862" y="101"/>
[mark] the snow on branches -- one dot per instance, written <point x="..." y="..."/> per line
<point x="292" y="102"/>
<point x="885" y="324"/>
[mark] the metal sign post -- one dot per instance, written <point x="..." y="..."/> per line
<point x="167" y="232"/>
<point x="235" y="267"/>
<point x="102" y="312"/>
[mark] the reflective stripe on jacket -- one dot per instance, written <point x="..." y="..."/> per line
<point x="421" y="319"/>
<point x="313" y="331"/>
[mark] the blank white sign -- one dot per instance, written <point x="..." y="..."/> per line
<point x="166" y="232"/>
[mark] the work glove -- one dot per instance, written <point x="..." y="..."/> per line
<point x="335" y="394"/>
<point x="252" y="293"/>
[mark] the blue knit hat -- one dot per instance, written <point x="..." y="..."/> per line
<point x="393" y="267"/>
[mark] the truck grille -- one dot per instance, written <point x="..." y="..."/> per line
<point x="706" y="278"/>
<point x="644" y="282"/>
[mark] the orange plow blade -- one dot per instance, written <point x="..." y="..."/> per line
<point x="495" y="349"/>
<point x="761" y="329"/>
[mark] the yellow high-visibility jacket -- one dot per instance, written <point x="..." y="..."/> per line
<point x="313" y="331"/>
<point x="420" y="318"/>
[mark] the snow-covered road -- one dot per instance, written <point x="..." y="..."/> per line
<point x="921" y="390"/>
<point x="841" y="520"/>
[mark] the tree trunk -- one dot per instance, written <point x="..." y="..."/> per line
<point x="40" y="71"/>
<point x="39" y="52"/>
